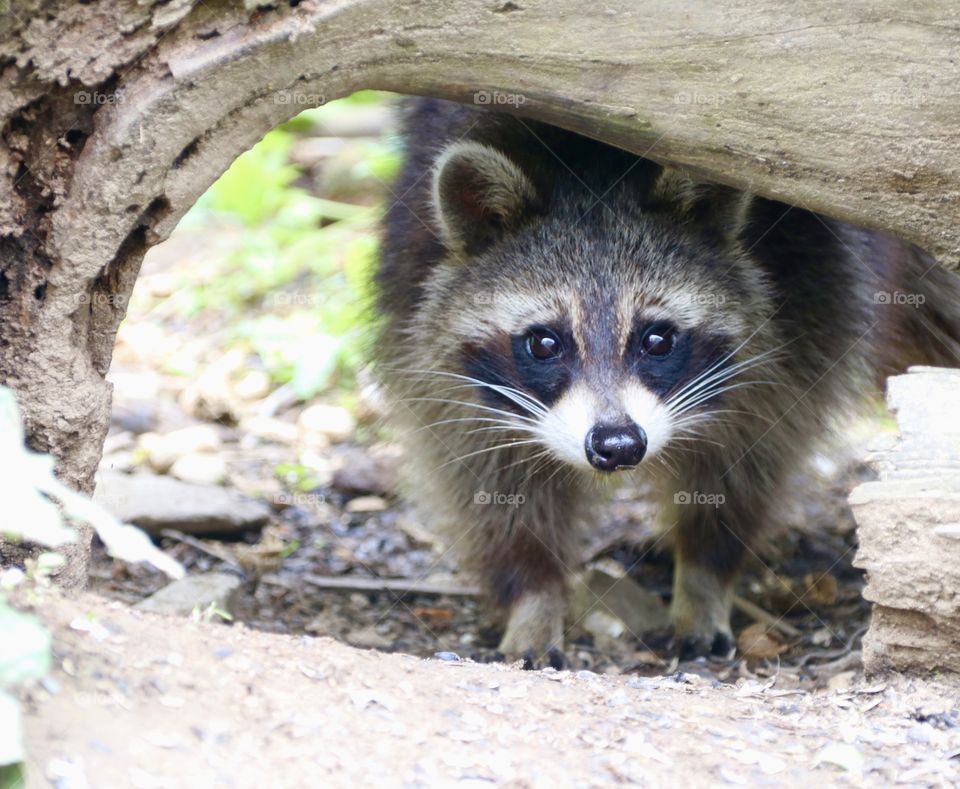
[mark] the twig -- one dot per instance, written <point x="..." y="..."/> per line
<point x="394" y="585"/>
<point x="757" y="614"/>
<point x="193" y="542"/>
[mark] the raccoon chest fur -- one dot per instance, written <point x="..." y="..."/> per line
<point x="559" y="313"/>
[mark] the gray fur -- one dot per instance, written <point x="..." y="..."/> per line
<point x="600" y="239"/>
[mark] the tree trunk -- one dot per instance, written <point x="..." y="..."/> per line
<point x="118" y="114"/>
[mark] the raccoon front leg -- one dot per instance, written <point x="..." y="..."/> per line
<point x="520" y="546"/>
<point x="717" y="512"/>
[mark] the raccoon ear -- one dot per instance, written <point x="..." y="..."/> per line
<point x="718" y="211"/>
<point x="478" y="195"/>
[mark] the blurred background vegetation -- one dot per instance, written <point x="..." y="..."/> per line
<point x="275" y="260"/>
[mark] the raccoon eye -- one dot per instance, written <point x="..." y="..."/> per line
<point x="543" y="344"/>
<point x="659" y="340"/>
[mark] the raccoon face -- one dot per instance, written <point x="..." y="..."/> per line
<point x="583" y="332"/>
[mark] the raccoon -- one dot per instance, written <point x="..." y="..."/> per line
<point x="559" y="313"/>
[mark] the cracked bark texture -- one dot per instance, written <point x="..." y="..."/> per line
<point x="117" y="114"/>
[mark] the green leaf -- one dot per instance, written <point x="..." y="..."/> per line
<point x="24" y="647"/>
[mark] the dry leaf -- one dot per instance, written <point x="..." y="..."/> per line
<point x="757" y="642"/>
<point x="821" y="590"/>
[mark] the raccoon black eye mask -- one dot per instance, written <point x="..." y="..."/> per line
<point x="559" y="312"/>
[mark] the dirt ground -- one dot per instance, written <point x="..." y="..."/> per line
<point x="145" y="701"/>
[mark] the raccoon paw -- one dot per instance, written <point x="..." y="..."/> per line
<point x="552" y="658"/>
<point x="689" y="646"/>
<point x="534" y="631"/>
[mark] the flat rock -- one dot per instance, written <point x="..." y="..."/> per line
<point x="615" y="606"/>
<point x="194" y="592"/>
<point x="157" y="503"/>
<point x="361" y="471"/>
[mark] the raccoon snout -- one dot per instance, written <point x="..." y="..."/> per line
<point x="613" y="447"/>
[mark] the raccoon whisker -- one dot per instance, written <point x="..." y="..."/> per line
<point x="530" y="406"/>
<point x="695" y="438"/>
<point x="538" y="460"/>
<point x="718" y="370"/>
<point x="504" y="422"/>
<point x="703" y="416"/>
<point x="544" y="460"/>
<point x="494" y="448"/>
<point x="557" y="470"/>
<point x="520" y="428"/>
<point x="662" y="459"/>
<point x="702" y="397"/>
<point x="712" y="377"/>
<point x="525" y="401"/>
<point x="469" y="405"/>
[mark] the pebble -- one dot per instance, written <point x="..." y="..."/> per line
<point x="200" y="468"/>
<point x="253" y="385"/>
<point x="448" y="657"/>
<point x="269" y="428"/>
<point x="332" y="422"/>
<point x="360" y="471"/>
<point x="368" y="638"/>
<point x="163" y="450"/>
<point x="366" y="504"/>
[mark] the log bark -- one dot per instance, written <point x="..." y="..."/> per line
<point x="908" y="523"/>
<point x="117" y="114"/>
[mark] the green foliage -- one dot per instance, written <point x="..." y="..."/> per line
<point x="35" y="504"/>
<point x="301" y="261"/>
<point x="297" y="476"/>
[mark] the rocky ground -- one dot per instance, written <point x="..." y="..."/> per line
<point x="142" y="700"/>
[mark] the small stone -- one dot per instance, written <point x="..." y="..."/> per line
<point x="194" y="592"/>
<point x="447" y="657"/>
<point x="613" y="606"/>
<point x="841" y="681"/>
<point x="211" y="396"/>
<point x="164" y="450"/>
<point x="253" y="385"/>
<point x="334" y="423"/>
<point x="118" y="461"/>
<point x="137" y="416"/>
<point x="368" y="638"/>
<point x="366" y="504"/>
<point x="362" y="471"/>
<point x="270" y="429"/>
<point x="200" y="468"/>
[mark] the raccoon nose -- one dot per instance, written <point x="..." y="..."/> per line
<point x="612" y="447"/>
